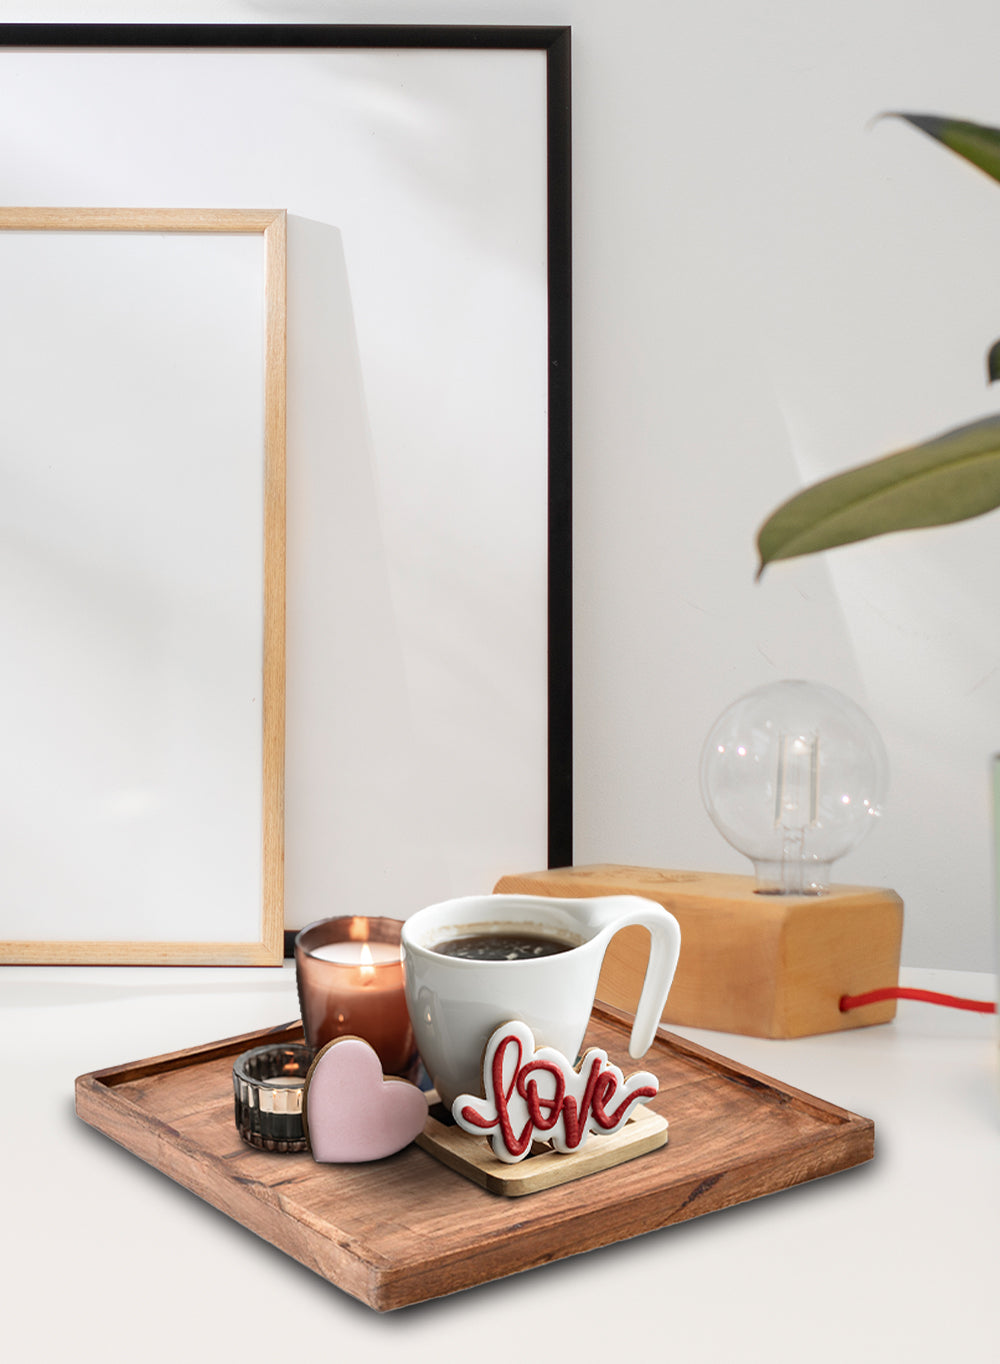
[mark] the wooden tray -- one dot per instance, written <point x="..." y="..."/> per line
<point x="406" y="1229"/>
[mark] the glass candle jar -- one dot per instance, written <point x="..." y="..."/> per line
<point x="350" y="979"/>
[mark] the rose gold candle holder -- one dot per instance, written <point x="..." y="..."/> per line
<point x="350" y="978"/>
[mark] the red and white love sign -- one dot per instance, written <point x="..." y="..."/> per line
<point x="537" y="1095"/>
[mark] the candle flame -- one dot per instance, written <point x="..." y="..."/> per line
<point x="367" y="967"/>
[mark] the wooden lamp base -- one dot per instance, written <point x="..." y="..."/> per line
<point x="759" y="965"/>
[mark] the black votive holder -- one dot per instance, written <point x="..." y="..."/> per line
<point x="269" y="1086"/>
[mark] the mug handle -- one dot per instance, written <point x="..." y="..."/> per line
<point x="614" y="912"/>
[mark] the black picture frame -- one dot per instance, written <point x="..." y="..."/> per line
<point x="555" y="43"/>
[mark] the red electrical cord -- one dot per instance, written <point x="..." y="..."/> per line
<point x="981" y="1006"/>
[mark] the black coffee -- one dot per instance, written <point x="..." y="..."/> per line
<point x="501" y="946"/>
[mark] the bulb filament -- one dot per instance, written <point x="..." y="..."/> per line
<point x="796" y="792"/>
<point x="796" y="804"/>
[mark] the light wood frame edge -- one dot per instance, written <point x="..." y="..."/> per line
<point x="268" y="950"/>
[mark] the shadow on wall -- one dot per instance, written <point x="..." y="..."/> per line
<point x="357" y="839"/>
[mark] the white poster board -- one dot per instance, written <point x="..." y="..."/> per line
<point x="141" y="584"/>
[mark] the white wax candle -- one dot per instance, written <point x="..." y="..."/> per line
<point x="286" y="1081"/>
<point x="356" y="953"/>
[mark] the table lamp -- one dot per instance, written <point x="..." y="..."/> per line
<point x="793" y="775"/>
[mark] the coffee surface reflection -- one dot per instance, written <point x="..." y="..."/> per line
<point x="502" y="946"/>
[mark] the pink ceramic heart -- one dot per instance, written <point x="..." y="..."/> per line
<point x="352" y="1111"/>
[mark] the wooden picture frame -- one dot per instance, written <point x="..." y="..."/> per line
<point x="244" y="56"/>
<point x="259" y="938"/>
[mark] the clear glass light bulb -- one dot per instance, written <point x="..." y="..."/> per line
<point x="793" y="775"/>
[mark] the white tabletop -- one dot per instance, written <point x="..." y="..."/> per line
<point x="104" y="1258"/>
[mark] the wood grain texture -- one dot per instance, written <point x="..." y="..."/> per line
<point x="760" y="965"/>
<point x="407" y="1229"/>
<point x="273" y="695"/>
<point x="268" y="949"/>
<point x="124" y="952"/>
<point x="46" y="219"/>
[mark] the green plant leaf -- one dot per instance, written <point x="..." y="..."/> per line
<point x="953" y="477"/>
<point x="979" y="144"/>
<point x="993" y="362"/>
<point x="976" y="142"/>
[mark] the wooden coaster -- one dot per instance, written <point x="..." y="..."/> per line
<point x="543" y="1168"/>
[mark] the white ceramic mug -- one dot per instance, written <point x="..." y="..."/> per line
<point x="455" y="1004"/>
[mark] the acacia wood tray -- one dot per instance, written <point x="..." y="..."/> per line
<point x="402" y="1230"/>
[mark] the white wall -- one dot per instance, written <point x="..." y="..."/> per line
<point x="767" y="290"/>
<point x="770" y="291"/>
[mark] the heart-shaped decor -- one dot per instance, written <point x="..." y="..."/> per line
<point x="352" y="1111"/>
